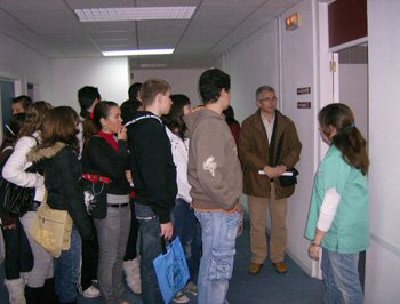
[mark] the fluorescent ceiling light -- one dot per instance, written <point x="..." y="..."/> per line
<point x="139" y="52"/>
<point x="153" y="65"/>
<point x="134" y="13"/>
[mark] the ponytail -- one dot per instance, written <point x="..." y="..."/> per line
<point x="353" y="147"/>
<point x="348" y="138"/>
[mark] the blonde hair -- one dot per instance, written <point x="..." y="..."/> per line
<point x="151" y="88"/>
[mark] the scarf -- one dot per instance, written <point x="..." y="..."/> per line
<point x="109" y="138"/>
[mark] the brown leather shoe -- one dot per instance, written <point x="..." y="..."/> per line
<point x="255" y="268"/>
<point x="280" y="267"/>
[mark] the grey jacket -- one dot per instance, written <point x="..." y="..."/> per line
<point x="214" y="169"/>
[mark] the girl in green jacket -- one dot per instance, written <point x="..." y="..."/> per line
<point x="338" y="220"/>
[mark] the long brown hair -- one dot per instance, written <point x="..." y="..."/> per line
<point x="34" y="117"/>
<point x="61" y="125"/>
<point x="348" y="138"/>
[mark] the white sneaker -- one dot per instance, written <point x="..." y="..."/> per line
<point x="191" y="288"/>
<point x="91" y="292"/>
<point x="181" y="298"/>
<point x="133" y="278"/>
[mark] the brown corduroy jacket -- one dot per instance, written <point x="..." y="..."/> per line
<point x="254" y="154"/>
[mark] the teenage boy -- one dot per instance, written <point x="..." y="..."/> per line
<point x="216" y="179"/>
<point x="20" y="103"/>
<point x="154" y="176"/>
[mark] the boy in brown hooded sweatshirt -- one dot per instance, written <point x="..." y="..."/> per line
<point x="216" y="179"/>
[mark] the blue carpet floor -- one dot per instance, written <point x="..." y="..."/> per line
<point x="268" y="287"/>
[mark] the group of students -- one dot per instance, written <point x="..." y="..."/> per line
<point x="73" y="154"/>
<point x="129" y="175"/>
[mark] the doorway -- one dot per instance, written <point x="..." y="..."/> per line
<point x="352" y="89"/>
<point x="7" y="93"/>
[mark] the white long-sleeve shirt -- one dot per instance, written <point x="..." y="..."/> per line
<point x="180" y="153"/>
<point x="14" y="169"/>
<point x="328" y="209"/>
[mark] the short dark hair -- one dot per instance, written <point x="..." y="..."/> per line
<point x="130" y="107"/>
<point x="86" y="98"/>
<point x="211" y="84"/>
<point x="60" y="125"/>
<point x="26" y="101"/>
<point x="134" y="89"/>
<point x="151" y="88"/>
<point x="174" y="119"/>
<point x="102" y="110"/>
<point x="128" y="110"/>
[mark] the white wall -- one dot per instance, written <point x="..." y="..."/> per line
<point x="251" y="64"/>
<point x="183" y="81"/>
<point x="255" y="62"/>
<point x="299" y="53"/>
<point x="22" y="64"/>
<point x="383" y="257"/>
<point x="353" y="91"/>
<point x="109" y="75"/>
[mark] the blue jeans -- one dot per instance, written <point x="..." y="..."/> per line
<point x="219" y="231"/>
<point x="342" y="281"/>
<point x="150" y="247"/>
<point x="187" y="227"/>
<point x="67" y="270"/>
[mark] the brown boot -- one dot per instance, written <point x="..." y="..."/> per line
<point x="255" y="268"/>
<point x="280" y="267"/>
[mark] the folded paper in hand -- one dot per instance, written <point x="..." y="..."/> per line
<point x="286" y="173"/>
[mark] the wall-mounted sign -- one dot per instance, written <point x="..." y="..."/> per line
<point x="304" y="91"/>
<point x="304" y="105"/>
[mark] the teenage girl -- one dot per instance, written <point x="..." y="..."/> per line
<point x="338" y="220"/>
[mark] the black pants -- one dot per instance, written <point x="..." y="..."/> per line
<point x="131" y="253"/>
<point x="19" y="256"/>
<point x="90" y="257"/>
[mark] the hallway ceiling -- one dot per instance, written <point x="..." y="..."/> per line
<point x="51" y="28"/>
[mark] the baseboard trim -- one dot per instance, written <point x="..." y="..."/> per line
<point x="386" y="244"/>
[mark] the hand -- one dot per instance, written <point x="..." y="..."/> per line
<point x="280" y="170"/>
<point x="269" y="171"/>
<point x="129" y="176"/>
<point x="313" y="251"/>
<point x="122" y="133"/>
<point x="167" y="230"/>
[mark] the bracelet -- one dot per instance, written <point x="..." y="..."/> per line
<point x="315" y="245"/>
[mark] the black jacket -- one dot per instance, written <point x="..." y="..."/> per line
<point x="100" y="158"/>
<point x="62" y="172"/>
<point x="152" y="164"/>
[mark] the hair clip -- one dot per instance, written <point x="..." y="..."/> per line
<point x="9" y="130"/>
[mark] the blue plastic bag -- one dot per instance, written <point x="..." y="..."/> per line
<point x="172" y="270"/>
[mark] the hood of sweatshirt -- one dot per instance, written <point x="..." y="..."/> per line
<point x="192" y="120"/>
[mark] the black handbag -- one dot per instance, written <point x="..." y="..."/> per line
<point x="289" y="178"/>
<point x="14" y="199"/>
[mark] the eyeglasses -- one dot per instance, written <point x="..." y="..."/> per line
<point x="267" y="99"/>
